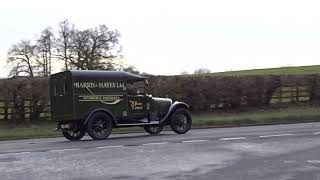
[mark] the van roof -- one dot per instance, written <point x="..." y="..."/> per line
<point x="106" y="74"/>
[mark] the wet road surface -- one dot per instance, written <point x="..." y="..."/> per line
<point x="283" y="152"/>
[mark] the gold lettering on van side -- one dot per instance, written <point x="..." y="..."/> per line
<point x="101" y="98"/>
<point x="101" y="85"/>
<point x="135" y="105"/>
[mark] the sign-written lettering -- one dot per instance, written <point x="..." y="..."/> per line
<point x="136" y="105"/>
<point x="102" y="85"/>
<point x="106" y="99"/>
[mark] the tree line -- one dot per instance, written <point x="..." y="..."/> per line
<point x="87" y="49"/>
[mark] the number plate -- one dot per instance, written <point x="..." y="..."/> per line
<point x="65" y="126"/>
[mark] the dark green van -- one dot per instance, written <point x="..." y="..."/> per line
<point x="97" y="101"/>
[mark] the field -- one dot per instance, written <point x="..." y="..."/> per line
<point x="289" y="115"/>
<point x="294" y="70"/>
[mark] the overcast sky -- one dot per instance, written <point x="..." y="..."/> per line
<point x="171" y="36"/>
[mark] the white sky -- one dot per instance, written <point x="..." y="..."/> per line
<point x="171" y="36"/>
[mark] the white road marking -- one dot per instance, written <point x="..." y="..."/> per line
<point x="105" y="147"/>
<point x="276" y="135"/>
<point x="289" y="161"/>
<point x="314" y="161"/>
<point x="148" y="144"/>
<point x="316" y="133"/>
<point x="62" y="150"/>
<point x="16" y="169"/>
<point x="17" y="153"/>
<point x="193" y="141"/>
<point x="232" y="138"/>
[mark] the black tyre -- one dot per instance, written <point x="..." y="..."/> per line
<point x="153" y="129"/>
<point x="74" y="135"/>
<point x="180" y="121"/>
<point x="99" y="126"/>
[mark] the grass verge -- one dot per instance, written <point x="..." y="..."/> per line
<point x="279" y="116"/>
<point x="290" y="115"/>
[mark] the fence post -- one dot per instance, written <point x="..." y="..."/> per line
<point x="297" y="94"/>
<point x="5" y="109"/>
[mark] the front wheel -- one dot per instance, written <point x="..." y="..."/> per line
<point x="180" y="121"/>
<point x="153" y="129"/>
<point x="73" y="135"/>
<point x="99" y="126"/>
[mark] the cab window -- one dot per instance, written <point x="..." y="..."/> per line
<point x="61" y="88"/>
<point x="136" y="88"/>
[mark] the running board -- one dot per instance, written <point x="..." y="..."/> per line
<point x="140" y="124"/>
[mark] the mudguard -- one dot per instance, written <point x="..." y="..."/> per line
<point x="100" y="110"/>
<point x="172" y="108"/>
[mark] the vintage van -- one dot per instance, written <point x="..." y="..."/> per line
<point x="97" y="101"/>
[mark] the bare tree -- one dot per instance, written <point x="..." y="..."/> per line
<point x="131" y="69"/>
<point x="184" y="73"/>
<point x="63" y="43"/>
<point x="44" y="48"/>
<point x="23" y="58"/>
<point x="202" y="71"/>
<point x="94" y="48"/>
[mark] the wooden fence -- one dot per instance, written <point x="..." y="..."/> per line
<point x="281" y="96"/>
<point x="9" y="112"/>
<point x="294" y="94"/>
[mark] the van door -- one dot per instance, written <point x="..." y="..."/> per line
<point x="61" y="101"/>
<point x="137" y="106"/>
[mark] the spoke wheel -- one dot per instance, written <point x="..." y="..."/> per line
<point x="181" y="121"/>
<point x="99" y="126"/>
<point x="74" y="135"/>
<point x="153" y="129"/>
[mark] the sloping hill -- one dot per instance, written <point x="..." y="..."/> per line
<point x="294" y="70"/>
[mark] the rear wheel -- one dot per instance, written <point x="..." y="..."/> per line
<point x="153" y="129"/>
<point x="181" y="121"/>
<point x="73" y="135"/>
<point x="99" y="126"/>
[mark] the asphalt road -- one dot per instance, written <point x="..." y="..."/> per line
<point x="278" y="152"/>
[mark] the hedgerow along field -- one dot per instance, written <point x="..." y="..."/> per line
<point x="207" y="93"/>
<point x="214" y="100"/>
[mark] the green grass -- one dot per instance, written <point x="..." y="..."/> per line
<point x="294" y="70"/>
<point x="34" y="131"/>
<point x="290" y="115"/>
<point x="46" y="130"/>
